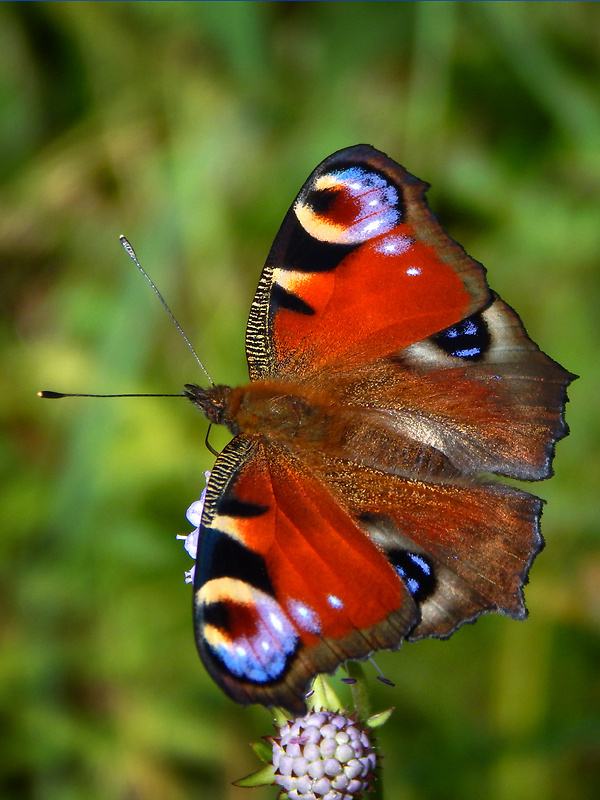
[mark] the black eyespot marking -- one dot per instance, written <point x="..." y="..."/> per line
<point x="416" y="570"/>
<point x="217" y="615"/>
<point x="321" y="200"/>
<point x="469" y="339"/>
<point x="304" y="253"/>
<point x="226" y="557"/>
<point x="281" y="298"/>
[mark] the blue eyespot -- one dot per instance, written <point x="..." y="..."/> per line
<point x="416" y="571"/>
<point x="469" y="339"/>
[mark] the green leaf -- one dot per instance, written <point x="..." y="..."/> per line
<point x="377" y="720"/>
<point x="263" y="749"/>
<point x="264" y="777"/>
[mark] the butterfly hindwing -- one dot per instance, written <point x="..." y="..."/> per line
<point x="497" y="400"/>
<point x="463" y="548"/>
<point x="479" y="397"/>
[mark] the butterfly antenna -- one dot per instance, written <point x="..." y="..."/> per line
<point x="47" y="395"/>
<point x="131" y="253"/>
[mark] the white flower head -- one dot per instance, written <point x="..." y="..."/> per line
<point x="325" y="755"/>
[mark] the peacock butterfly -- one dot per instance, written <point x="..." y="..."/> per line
<point x="354" y="507"/>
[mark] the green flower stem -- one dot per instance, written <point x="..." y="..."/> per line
<point x="360" y="690"/>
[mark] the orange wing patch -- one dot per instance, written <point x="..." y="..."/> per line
<point x="390" y="292"/>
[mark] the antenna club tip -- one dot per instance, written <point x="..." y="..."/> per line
<point x="130" y="251"/>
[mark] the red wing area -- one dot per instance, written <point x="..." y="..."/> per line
<point x="359" y="269"/>
<point x="374" y="303"/>
<point x="287" y="585"/>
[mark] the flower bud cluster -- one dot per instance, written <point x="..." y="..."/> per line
<point x="323" y="755"/>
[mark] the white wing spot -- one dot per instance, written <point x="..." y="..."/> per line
<point x="372" y="226"/>
<point x="276" y="622"/>
<point x="394" y="244"/>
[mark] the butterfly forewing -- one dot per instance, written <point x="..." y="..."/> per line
<point x="360" y="268"/>
<point x="285" y="579"/>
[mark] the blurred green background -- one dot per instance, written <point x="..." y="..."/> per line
<point x="190" y="126"/>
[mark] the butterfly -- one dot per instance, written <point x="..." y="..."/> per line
<point x="355" y="506"/>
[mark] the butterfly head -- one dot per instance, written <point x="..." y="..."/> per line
<point x="215" y="402"/>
